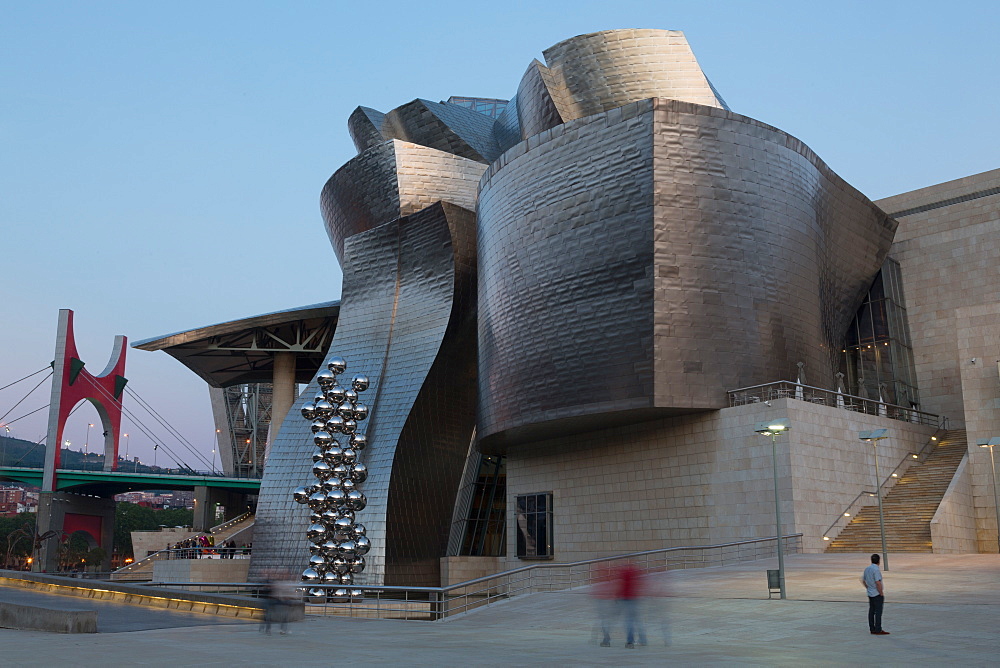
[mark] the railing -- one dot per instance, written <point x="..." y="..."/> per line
<point x="433" y="603"/>
<point x="870" y="497"/>
<point x="784" y="389"/>
<point x="230" y="523"/>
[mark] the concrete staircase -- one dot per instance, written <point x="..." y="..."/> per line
<point x="909" y="506"/>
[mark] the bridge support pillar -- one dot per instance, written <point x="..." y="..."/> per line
<point x="64" y="514"/>
<point x="207" y="498"/>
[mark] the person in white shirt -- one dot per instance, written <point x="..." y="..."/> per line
<point x="872" y="580"/>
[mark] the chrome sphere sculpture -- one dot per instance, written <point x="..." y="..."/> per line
<point x="337" y="540"/>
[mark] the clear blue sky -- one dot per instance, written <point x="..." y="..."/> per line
<point x="161" y="163"/>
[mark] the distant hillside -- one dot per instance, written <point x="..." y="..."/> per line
<point x="18" y="452"/>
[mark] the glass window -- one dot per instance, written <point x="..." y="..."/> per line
<point x="534" y="525"/>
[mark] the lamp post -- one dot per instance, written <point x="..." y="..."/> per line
<point x="155" y="448"/>
<point x="874" y="436"/>
<point x="86" y="443"/>
<point x="772" y="429"/>
<point x="126" y="448"/>
<point x="992" y="443"/>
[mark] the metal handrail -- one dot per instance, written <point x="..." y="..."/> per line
<point x="184" y="553"/>
<point x="893" y="476"/>
<point x="786" y="389"/>
<point x="432" y="603"/>
<point x="232" y="522"/>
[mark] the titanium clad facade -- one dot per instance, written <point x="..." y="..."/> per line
<point x="684" y="250"/>
<point x="403" y="283"/>
<point x="393" y="179"/>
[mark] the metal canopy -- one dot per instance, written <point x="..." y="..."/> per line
<point x="242" y="351"/>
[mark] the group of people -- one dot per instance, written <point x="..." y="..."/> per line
<point x="197" y="547"/>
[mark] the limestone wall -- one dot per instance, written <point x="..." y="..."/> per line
<point x="953" y="528"/>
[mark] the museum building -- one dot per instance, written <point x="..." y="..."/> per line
<point x="575" y="305"/>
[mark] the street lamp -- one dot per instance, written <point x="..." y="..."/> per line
<point x="772" y="428"/>
<point x="86" y="444"/>
<point x="126" y="448"/>
<point x="992" y="443"/>
<point x="155" y="448"/>
<point x="874" y="436"/>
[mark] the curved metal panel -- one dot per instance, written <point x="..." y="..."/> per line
<point x="390" y="180"/>
<point x="648" y="258"/>
<point x="608" y="69"/>
<point x="536" y="109"/>
<point x="365" y="127"/>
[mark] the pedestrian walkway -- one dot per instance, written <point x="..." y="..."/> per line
<point x="940" y="609"/>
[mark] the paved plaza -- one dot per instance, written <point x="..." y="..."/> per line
<point x="939" y="609"/>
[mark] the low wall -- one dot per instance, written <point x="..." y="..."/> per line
<point x="953" y="528"/>
<point x="201" y="570"/>
<point x="462" y="569"/>
<point x="38" y="618"/>
<point x="155" y="597"/>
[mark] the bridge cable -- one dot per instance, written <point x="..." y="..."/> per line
<point x="42" y="441"/>
<point x="145" y="430"/>
<point x="159" y="418"/>
<point x="26" y="377"/>
<point x="25" y="397"/>
<point x="173" y="431"/>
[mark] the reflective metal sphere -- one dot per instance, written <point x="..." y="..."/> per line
<point x="346" y="579"/>
<point x="339" y="565"/>
<point x="335" y="395"/>
<point x="319" y="397"/>
<point x="331" y="577"/>
<point x="351" y="395"/>
<point x="347" y="484"/>
<point x="335" y="455"/>
<point x="341" y="594"/>
<point x="317" y="457"/>
<point x="356" y="500"/>
<point x="326" y="379"/>
<point x="349" y="456"/>
<point x="355" y="594"/>
<point x="335" y="423"/>
<point x="359" y="473"/>
<point x="324" y="409"/>
<point x="309" y="411"/>
<point x="315" y="518"/>
<point x="317" y="563"/>
<point x="310" y="575"/>
<point x="318" y="425"/>
<point x="301" y="495"/>
<point x="361" y="412"/>
<point x="315" y="549"/>
<point x="343" y="524"/>
<point x="316" y="592"/>
<point x="357" y="564"/>
<point x="323" y="438"/>
<point x="317" y="500"/>
<point x="342" y="470"/>
<point x="348" y="513"/>
<point x="359" y="442"/>
<point x="322" y="470"/>
<point x="350" y="426"/>
<point x="337" y="365"/>
<point x="360" y="530"/>
<point x="363" y="545"/>
<point x="359" y="383"/>
<point x="329" y="517"/>
<point x="329" y="548"/>
<point x="336" y="497"/>
<point x="347" y="548"/>
<point x="346" y="410"/>
<point x="316" y="533"/>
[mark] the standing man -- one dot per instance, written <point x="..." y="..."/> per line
<point x="872" y="580"/>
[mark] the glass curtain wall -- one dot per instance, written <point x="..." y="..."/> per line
<point x="485" y="526"/>
<point x="877" y="358"/>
